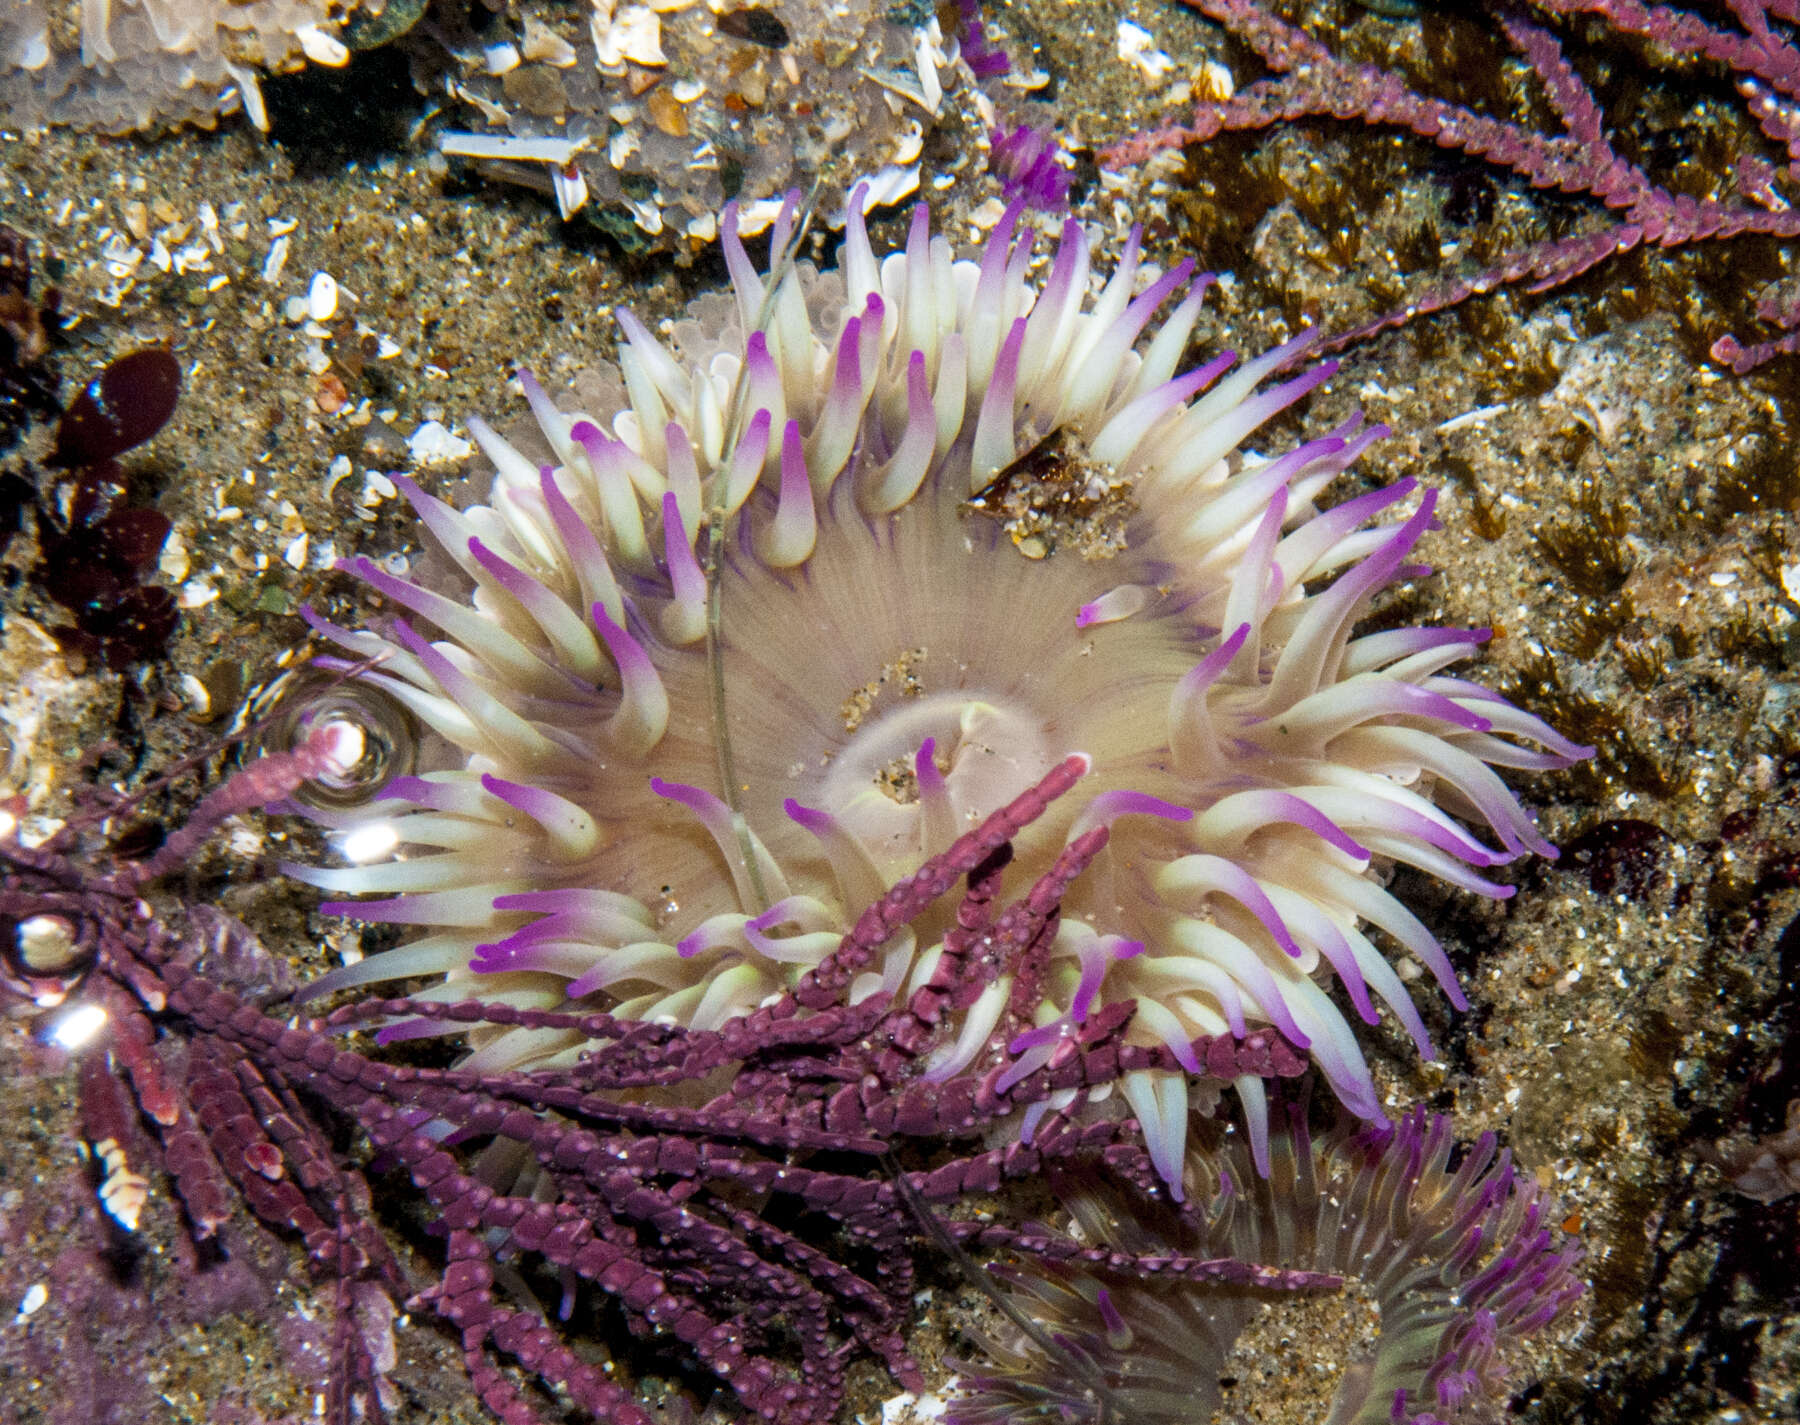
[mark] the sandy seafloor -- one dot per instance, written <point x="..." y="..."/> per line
<point x="1623" y="1001"/>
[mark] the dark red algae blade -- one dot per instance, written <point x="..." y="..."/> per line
<point x="123" y="406"/>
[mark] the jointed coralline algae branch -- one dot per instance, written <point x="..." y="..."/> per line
<point x="736" y="658"/>
<point x="1758" y="54"/>
<point x="703" y="1223"/>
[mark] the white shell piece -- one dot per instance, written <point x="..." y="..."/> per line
<point x="543" y="45"/>
<point x="250" y="93"/>
<point x="884" y="186"/>
<point x="646" y="215"/>
<point x="34" y="54"/>
<point x="173" y="562"/>
<point x="910" y="1409"/>
<point x="1138" y="46"/>
<point x="1214" y="82"/>
<point x="634" y="35"/>
<point x="908" y="146"/>
<point x="757" y="217"/>
<point x="276" y="260"/>
<point x="322" y="48"/>
<point x="929" y="86"/>
<point x="532" y="150"/>
<point x="492" y="112"/>
<point x="36" y="1296"/>
<point x="571" y="190"/>
<point x="322" y="297"/>
<point x="433" y="444"/>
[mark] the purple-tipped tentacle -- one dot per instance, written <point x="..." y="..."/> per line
<point x="708" y="810"/>
<point x="1252" y="810"/>
<point x="1108" y="807"/>
<point x="834" y="435"/>
<point x="996" y="440"/>
<point x="1114" y="605"/>
<point x="643" y="712"/>
<point x="787" y="539"/>
<point x="686" y="620"/>
<point x="890" y="486"/>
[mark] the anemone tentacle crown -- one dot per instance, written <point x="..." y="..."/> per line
<point x="737" y="656"/>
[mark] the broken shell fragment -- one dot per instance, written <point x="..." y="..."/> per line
<point x="634" y="35"/>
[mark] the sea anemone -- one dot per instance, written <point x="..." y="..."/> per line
<point x="1025" y="157"/>
<point x="738" y="655"/>
<point x="1460" y="1264"/>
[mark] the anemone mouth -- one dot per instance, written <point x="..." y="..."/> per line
<point x="735" y="659"/>
<point x="914" y="674"/>
<point x="945" y="757"/>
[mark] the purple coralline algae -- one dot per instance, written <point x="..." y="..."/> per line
<point x="1756" y="52"/>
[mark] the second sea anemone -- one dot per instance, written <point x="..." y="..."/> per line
<point x="1458" y="1254"/>
<point x="736" y="655"/>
